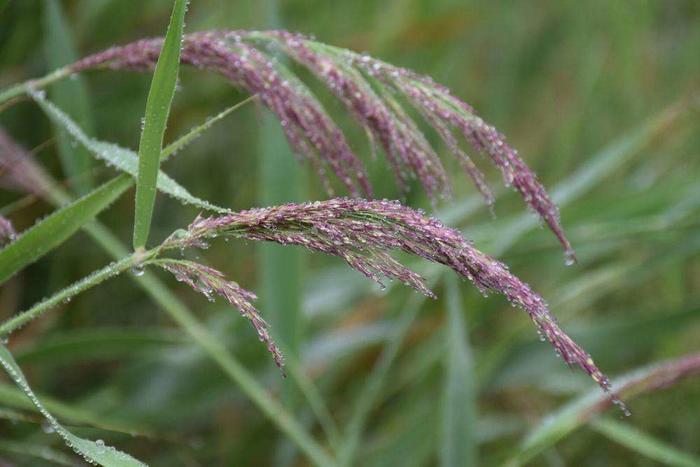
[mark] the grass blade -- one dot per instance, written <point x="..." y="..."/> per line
<point x="115" y="156"/>
<point x="643" y="443"/>
<point x="58" y="227"/>
<point x="593" y="172"/>
<point x="459" y="418"/>
<point x="281" y="269"/>
<point x="92" y="451"/>
<point x="95" y="344"/>
<point x="195" y="132"/>
<point x="574" y="414"/>
<point x="371" y="390"/>
<point x="37" y="451"/>
<point x="70" y="95"/>
<point x="218" y="353"/>
<point x="10" y="396"/>
<point x="160" y="98"/>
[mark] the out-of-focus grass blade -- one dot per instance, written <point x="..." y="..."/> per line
<point x="36" y="451"/>
<point x="10" y="396"/>
<point x="94" y="344"/>
<point x="574" y="414"/>
<point x="58" y="227"/>
<point x="281" y="269"/>
<point x="459" y="418"/>
<point x="160" y="98"/>
<point x="593" y="172"/>
<point x="115" y="156"/>
<point x="643" y="443"/>
<point x="185" y="318"/>
<point x="197" y="131"/>
<point x="70" y="95"/>
<point x="372" y="388"/>
<point x="92" y="451"/>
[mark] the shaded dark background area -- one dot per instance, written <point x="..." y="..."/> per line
<point x="601" y="99"/>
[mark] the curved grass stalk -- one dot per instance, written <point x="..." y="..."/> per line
<point x="191" y="135"/>
<point x="22" y="89"/>
<point x="95" y="452"/>
<point x="65" y="295"/>
<point x="183" y="317"/>
<point x="201" y="336"/>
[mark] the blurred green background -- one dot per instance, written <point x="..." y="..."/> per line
<point x="601" y="99"/>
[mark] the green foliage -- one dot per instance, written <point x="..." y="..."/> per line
<point x="459" y="404"/>
<point x="58" y="227"/>
<point x="93" y="451"/>
<point x="644" y="444"/>
<point x="70" y="95"/>
<point x="160" y="98"/>
<point x="599" y="99"/>
<point x="120" y="158"/>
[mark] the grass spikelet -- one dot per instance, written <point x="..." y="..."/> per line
<point x="363" y="233"/>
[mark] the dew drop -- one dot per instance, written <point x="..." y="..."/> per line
<point x="138" y="270"/>
<point x="47" y="427"/>
<point x="101" y="448"/>
<point x="569" y="258"/>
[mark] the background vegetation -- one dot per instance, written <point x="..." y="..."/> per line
<point x="600" y="97"/>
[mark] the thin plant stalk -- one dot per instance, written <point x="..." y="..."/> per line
<point x="65" y="295"/>
<point x="181" y="314"/>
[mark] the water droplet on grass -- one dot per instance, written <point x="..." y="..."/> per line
<point x="47" y="427"/>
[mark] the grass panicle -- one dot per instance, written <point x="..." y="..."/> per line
<point x="210" y="282"/>
<point x="312" y="133"/>
<point x="364" y="232"/>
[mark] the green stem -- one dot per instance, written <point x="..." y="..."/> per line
<point x="66" y="294"/>
<point x="22" y="88"/>
<point x="208" y="342"/>
<point x="257" y="393"/>
<point x="176" y="309"/>
<point x="367" y="399"/>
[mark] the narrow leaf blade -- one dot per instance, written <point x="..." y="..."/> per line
<point x="160" y="97"/>
<point x="58" y="227"/>
<point x="70" y="95"/>
<point x="643" y="443"/>
<point x="94" y="452"/>
<point x="120" y="158"/>
<point x="459" y="419"/>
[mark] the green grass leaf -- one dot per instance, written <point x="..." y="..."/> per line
<point x="576" y="413"/>
<point x="85" y="345"/>
<point x="160" y="98"/>
<point x="36" y="451"/>
<point x="371" y="390"/>
<point x="58" y="227"/>
<point x="120" y="158"/>
<point x="92" y="451"/>
<point x="71" y="95"/>
<point x="10" y="396"/>
<point x="643" y="443"/>
<point x="204" y="339"/>
<point x="459" y="417"/>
